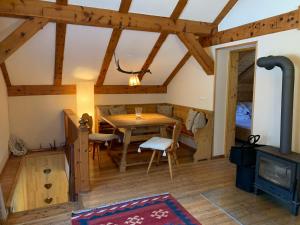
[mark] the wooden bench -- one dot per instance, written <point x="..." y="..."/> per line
<point x="203" y="137"/>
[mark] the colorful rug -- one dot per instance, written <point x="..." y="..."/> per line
<point x="155" y="210"/>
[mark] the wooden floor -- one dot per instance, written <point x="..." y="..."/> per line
<point x="109" y="186"/>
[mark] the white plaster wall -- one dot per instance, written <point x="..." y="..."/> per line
<point x="129" y="99"/>
<point x="267" y="90"/>
<point x="38" y="120"/>
<point x="192" y="87"/>
<point x="4" y="130"/>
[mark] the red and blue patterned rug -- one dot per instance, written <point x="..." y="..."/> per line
<point x="155" y="210"/>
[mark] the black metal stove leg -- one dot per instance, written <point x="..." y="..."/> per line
<point x="257" y="191"/>
<point x="294" y="208"/>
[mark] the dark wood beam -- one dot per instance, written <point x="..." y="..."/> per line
<point x="177" y="69"/>
<point x="19" y="37"/>
<point x="196" y="50"/>
<point x="162" y="37"/>
<point x="88" y="16"/>
<point x="283" y="22"/>
<point x="125" y="89"/>
<point x="59" y="47"/>
<point x="225" y="11"/>
<point x="28" y="90"/>
<point x="5" y="74"/>
<point x="113" y="42"/>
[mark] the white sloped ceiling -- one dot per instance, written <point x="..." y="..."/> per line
<point x="84" y="52"/>
<point x="165" y="62"/>
<point x="132" y="51"/>
<point x="33" y="63"/>
<point x="85" y="46"/>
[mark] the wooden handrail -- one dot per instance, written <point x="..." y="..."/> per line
<point x="77" y="152"/>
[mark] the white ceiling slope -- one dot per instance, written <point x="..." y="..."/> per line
<point x="85" y="46"/>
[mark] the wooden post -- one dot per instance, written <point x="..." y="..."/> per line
<point x="83" y="162"/>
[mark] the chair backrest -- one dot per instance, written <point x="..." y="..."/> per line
<point x="89" y="119"/>
<point x="176" y="133"/>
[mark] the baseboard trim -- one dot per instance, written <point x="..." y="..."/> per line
<point x="218" y="157"/>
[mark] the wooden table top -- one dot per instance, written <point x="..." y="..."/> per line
<point x="130" y="120"/>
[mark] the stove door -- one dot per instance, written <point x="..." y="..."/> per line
<point x="275" y="175"/>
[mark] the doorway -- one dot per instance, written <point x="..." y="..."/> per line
<point x="239" y="104"/>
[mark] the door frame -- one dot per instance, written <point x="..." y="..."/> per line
<point x="231" y="99"/>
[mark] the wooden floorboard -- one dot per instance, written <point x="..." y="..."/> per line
<point x="109" y="186"/>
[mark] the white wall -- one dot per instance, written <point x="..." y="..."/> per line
<point x="129" y="99"/>
<point x="38" y="120"/>
<point x="192" y="87"/>
<point x="267" y="90"/>
<point x="4" y="131"/>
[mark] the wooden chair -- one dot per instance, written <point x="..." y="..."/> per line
<point x="96" y="139"/>
<point x="165" y="145"/>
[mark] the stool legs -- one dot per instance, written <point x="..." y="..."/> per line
<point x="170" y="165"/>
<point x="151" y="161"/>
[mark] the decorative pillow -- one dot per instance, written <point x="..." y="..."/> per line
<point x="104" y="110"/>
<point x="190" y="119"/>
<point x="199" y="122"/>
<point x="117" y="110"/>
<point x="166" y="110"/>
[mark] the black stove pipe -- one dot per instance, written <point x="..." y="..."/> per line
<point x="287" y="99"/>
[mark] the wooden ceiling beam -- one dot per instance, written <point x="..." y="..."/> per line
<point x="283" y="22"/>
<point x="99" y="17"/>
<point x="19" y="37"/>
<point x="5" y="74"/>
<point x="125" y="89"/>
<point x="30" y="90"/>
<point x="59" y="48"/>
<point x="113" y="42"/>
<point x="177" y="69"/>
<point x="196" y="50"/>
<point x="162" y="37"/>
<point x="225" y="11"/>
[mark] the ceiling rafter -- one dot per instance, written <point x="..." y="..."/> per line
<point x="177" y="69"/>
<point x="230" y="4"/>
<point x="162" y="37"/>
<point x="99" y="17"/>
<point x="5" y="74"/>
<point x="113" y="42"/>
<point x="19" y="37"/>
<point x="196" y="50"/>
<point x="28" y="90"/>
<point x="59" y="48"/>
<point x="279" y="23"/>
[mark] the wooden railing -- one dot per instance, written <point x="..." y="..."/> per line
<point x="77" y="145"/>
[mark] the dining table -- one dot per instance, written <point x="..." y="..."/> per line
<point x="127" y="123"/>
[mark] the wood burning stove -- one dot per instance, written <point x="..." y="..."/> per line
<point x="278" y="175"/>
<point x="278" y="169"/>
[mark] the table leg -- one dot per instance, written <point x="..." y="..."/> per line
<point x="163" y="131"/>
<point x="126" y="142"/>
